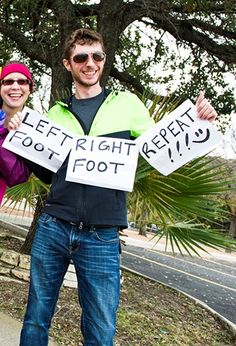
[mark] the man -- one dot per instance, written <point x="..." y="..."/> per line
<point x="80" y="222"/>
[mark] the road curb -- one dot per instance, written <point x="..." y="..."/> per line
<point x="17" y="230"/>
<point x="225" y="321"/>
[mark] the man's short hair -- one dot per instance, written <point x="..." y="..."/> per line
<point x="82" y="37"/>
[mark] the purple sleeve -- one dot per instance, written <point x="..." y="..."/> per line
<point x="12" y="167"/>
<point x="3" y="187"/>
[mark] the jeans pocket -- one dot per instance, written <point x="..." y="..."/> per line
<point x="110" y="235"/>
<point x="45" y="218"/>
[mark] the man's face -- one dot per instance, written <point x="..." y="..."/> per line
<point x="16" y="93"/>
<point x="86" y="64"/>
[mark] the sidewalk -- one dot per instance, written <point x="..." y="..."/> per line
<point x="18" y="217"/>
<point x="10" y="331"/>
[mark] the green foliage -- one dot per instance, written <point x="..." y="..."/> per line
<point x="183" y="204"/>
<point x="27" y="192"/>
<point x="190" y="238"/>
<point x="208" y="75"/>
<point x="185" y="192"/>
<point x="130" y="55"/>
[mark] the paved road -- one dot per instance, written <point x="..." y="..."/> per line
<point x="212" y="282"/>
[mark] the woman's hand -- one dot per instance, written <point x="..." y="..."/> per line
<point x="15" y="121"/>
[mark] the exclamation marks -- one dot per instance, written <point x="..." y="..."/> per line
<point x="178" y="147"/>
<point x="178" y="144"/>
<point x="170" y="155"/>
<point x="187" y="140"/>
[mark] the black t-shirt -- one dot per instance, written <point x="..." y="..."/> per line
<point x="86" y="109"/>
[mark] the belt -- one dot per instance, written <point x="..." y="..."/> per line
<point x="81" y="225"/>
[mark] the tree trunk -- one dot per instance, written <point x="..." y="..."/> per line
<point x="26" y="247"/>
<point x="142" y="229"/>
<point x="143" y="221"/>
<point x="232" y="230"/>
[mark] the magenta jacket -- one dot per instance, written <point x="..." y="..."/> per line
<point x="13" y="170"/>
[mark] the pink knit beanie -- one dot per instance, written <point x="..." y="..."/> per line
<point x="17" y="67"/>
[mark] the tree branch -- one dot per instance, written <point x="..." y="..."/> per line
<point x="213" y="28"/>
<point x="183" y="30"/>
<point x="126" y="78"/>
<point x="32" y="50"/>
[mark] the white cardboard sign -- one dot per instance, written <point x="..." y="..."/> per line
<point x="40" y="140"/>
<point x="178" y="138"/>
<point x="103" y="161"/>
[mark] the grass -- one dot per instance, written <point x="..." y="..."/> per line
<point x="150" y="314"/>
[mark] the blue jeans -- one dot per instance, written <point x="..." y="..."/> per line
<point x="95" y="254"/>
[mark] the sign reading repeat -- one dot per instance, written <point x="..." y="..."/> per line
<point x="178" y="138"/>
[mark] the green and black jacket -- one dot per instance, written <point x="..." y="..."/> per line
<point x="121" y="115"/>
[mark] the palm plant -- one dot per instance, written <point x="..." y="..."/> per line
<point x="25" y="194"/>
<point x="31" y="196"/>
<point x="182" y="204"/>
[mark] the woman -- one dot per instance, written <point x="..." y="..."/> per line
<point x="16" y="84"/>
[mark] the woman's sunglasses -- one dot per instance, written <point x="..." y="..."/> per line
<point x="18" y="81"/>
<point x="82" y="57"/>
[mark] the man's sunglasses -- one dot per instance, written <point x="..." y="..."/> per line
<point x="18" y="81"/>
<point x="82" y="57"/>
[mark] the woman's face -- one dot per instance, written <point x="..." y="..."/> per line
<point x="14" y="90"/>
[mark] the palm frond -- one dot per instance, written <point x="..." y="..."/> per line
<point x="189" y="238"/>
<point x="25" y="194"/>
<point x="184" y="192"/>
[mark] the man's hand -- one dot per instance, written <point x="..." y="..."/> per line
<point x="205" y="111"/>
